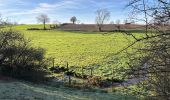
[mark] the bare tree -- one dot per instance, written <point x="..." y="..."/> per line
<point x="153" y="64"/>
<point x="78" y="21"/>
<point x="118" y="24"/>
<point x="102" y="16"/>
<point x="73" y="19"/>
<point x="43" y="18"/>
<point x="112" y="22"/>
<point x="55" y="24"/>
<point x="125" y="21"/>
<point x="5" y="22"/>
<point x="0" y="19"/>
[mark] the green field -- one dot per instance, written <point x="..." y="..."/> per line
<point x="77" y="48"/>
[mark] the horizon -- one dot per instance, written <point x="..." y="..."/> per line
<point x="61" y="10"/>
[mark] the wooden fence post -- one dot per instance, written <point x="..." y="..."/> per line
<point x="11" y="59"/>
<point x="68" y="74"/>
<point x="53" y="61"/>
<point x="91" y="69"/>
<point x="69" y="79"/>
<point x="82" y="71"/>
<point x="113" y="71"/>
<point x="67" y="65"/>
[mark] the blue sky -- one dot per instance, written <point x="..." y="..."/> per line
<point x="25" y="11"/>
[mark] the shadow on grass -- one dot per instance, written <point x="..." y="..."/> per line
<point x="24" y="90"/>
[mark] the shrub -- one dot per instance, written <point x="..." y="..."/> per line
<point x="19" y="60"/>
<point x="38" y="29"/>
<point x="94" y="81"/>
<point x="33" y="28"/>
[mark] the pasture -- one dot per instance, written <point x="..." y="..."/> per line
<point x="79" y="49"/>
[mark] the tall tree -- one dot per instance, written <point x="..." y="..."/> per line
<point x="125" y="21"/>
<point x="152" y="64"/>
<point x="0" y="19"/>
<point x="73" y="19"/>
<point x="43" y="18"/>
<point x="102" y="16"/>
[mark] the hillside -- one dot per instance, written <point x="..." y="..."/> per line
<point x="79" y="49"/>
<point x="16" y="90"/>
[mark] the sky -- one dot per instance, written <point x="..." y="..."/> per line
<point x="26" y="11"/>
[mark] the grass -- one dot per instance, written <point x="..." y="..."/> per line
<point x="27" y="91"/>
<point x="79" y="49"/>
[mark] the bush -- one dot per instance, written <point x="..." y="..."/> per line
<point x="19" y="60"/>
<point x="33" y="29"/>
<point x="37" y="29"/>
<point x="94" y="81"/>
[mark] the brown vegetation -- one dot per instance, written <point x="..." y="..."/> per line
<point x="105" y="27"/>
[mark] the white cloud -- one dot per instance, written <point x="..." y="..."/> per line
<point x="12" y="2"/>
<point x="26" y="10"/>
<point x="44" y="7"/>
<point x="66" y="4"/>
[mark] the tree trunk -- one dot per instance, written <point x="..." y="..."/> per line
<point x="100" y="29"/>
<point x="44" y="25"/>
